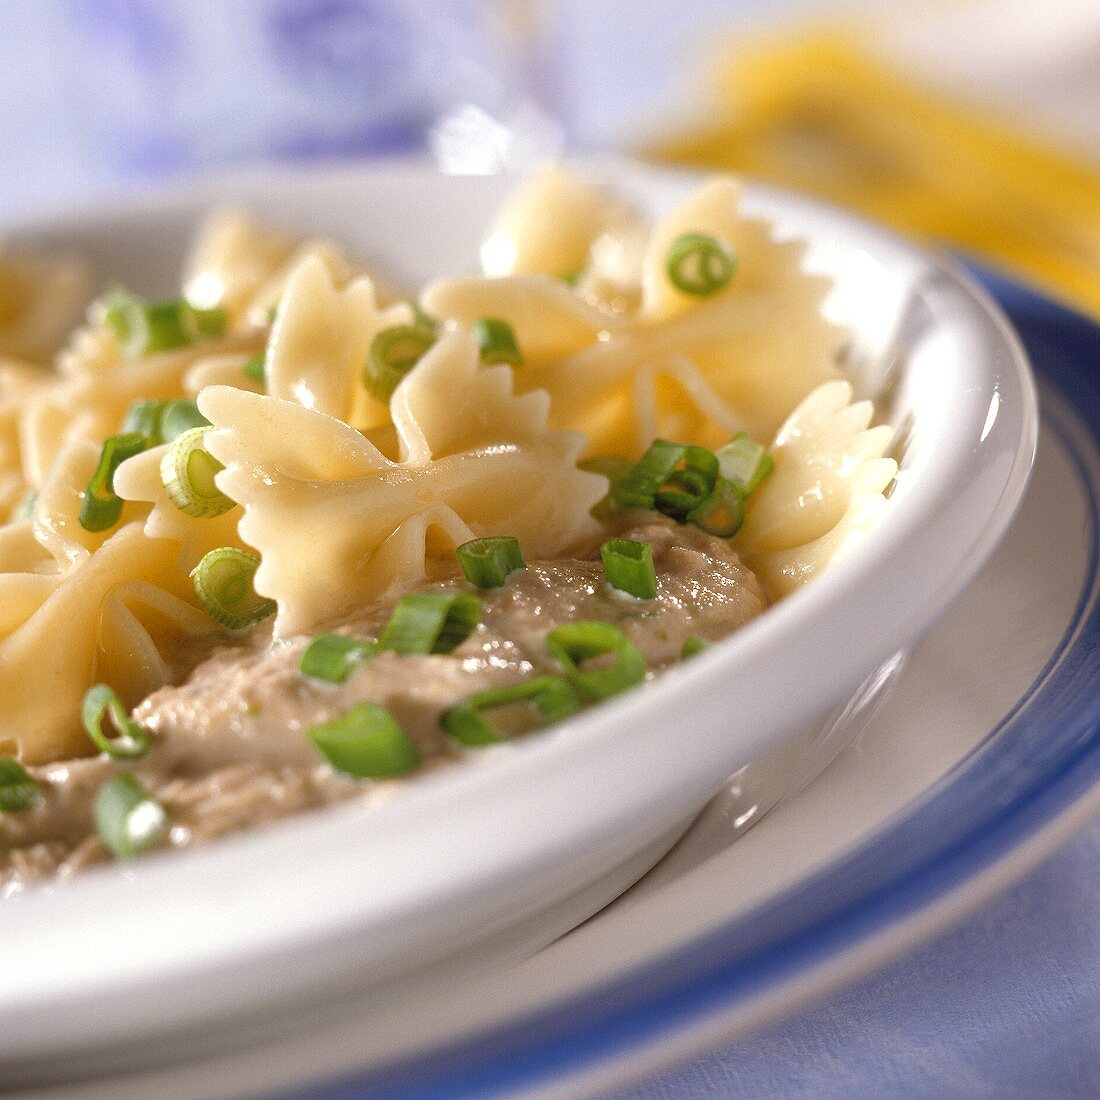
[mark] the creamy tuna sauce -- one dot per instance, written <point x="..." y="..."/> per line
<point x="230" y="747"/>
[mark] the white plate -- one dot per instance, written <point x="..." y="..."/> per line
<point x="985" y="757"/>
<point x="177" y="945"/>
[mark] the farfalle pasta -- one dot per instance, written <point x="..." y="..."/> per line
<point x="301" y="528"/>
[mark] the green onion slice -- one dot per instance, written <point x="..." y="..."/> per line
<point x="671" y="477"/>
<point x="693" y="645"/>
<point x="366" y="743"/>
<point x="256" y="369"/>
<point x="488" y="562"/>
<point x="144" y="418"/>
<point x="546" y="699"/>
<point x="393" y="353"/>
<point x="700" y="265"/>
<point x="628" y="566"/>
<point x="431" y="622"/>
<point x="497" y="342"/>
<point x="334" y="657"/>
<point x="143" y="328"/>
<point x="744" y="462"/>
<point x="131" y="741"/>
<point x="722" y="512"/>
<point x="179" y="417"/>
<point x="421" y="317"/>
<point x="614" y="468"/>
<point x="576" y="643"/>
<point x="223" y="584"/>
<point x="18" y="791"/>
<point x="187" y="471"/>
<point x="129" y="819"/>
<point x="102" y="507"/>
<point x="25" y="508"/>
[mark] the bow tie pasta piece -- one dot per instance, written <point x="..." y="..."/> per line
<point x="221" y="370"/>
<point x="119" y="613"/>
<point x="233" y="257"/>
<point x="475" y="460"/>
<point x="321" y="341"/>
<point x="826" y="487"/>
<point x="18" y="384"/>
<point x="138" y="479"/>
<point x="684" y="367"/>
<point x="28" y="574"/>
<point x="548" y="227"/>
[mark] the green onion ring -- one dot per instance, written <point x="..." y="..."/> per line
<point x="431" y="622"/>
<point x="366" y="743"/>
<point x="187" y="471"/>
<point x="575" y="643"/>
<point x="129" y="819"/>
<point x="334" y="657"/>
<point x="393" y="353"/>
<point x="102" y="507"/>
<point x="223" y="584"/>
<point x="722" y="512"/>
<point x="700" y="265"/>
<point x="744" y="462"/>
<point x="628" y="566"/>
<point x="18" y="791"/>
<point x="497" y="342"/>
<point x="131" y="743"/>
<point x="488" y="562"/>
<point x="551" y="698"/>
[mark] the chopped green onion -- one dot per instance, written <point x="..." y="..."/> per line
<point x="744" y="462"/>
<point x="18" y="791"/>
<point x="431" y="622"/>
<point x="575" y="643"/>
<point x="334" y="657"/>
<point x="223" y="584"/>
<point x="497" y="342"/>
<point x="488" y="562"/>
<point x="187" y="471"/>
<point x="131" y="742"/>
<point x="421" y="318"/>
<point x="722" y="512"/>
<point x="393" y="353"/>
<point x="129" y="819"/>
<point x="671" y="477"/>
<point x="102" y="506"/>
<point x="700" y="265"/>
<point x="144" y="418"/>
<point x="628" y="566"/>
<point x="550" y="697"/>
<point x="256" y="369"/>
<point x="143" y="328"/>
<point x="179" y="417"/>
<point x="614" y="468"/>
<point x="693" y="645"/>
<point x="366" y="743"/>
<point x="573" y="278"/>
<point x="25" y="508"/>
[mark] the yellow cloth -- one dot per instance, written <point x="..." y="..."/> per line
<point x="818" y="112"/>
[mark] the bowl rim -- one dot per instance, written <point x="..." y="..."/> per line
<point x="831" y="627"/>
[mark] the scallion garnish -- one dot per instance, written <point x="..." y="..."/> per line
<point x="722" y="512"/>
<point x="393" y="353"/>
<point x="143" y="328"/>
<point x="693" y="644"/>
<point x="223" y="584"/>
<point x="497" y="342"/>
<point x="628" y="566"/>
<point x="25" y="508"/>
<point x="256" y="369"/>
<point x="614" y="468"/>
<point x="671" y="477"/>
<point x="102" y="506"/>
<point x="129" y="819"/>
<point x="574" y="644"/>
<point x="421" y="317"/>
<point x="488" y="562"/>
<point x="546" y="699"/>
<point x="18" y="791"/>
<point x="334" y="657"/>
<point x="700" y="265"/>
<point x="187" y="471"/>
<point x="744" y="462"/>
<point x="179" y="417"/>
<point x="144" y="417"/>
<point x="431" y="622"/>
<point x="131" y="741"/>
<point x="366" y="743"/>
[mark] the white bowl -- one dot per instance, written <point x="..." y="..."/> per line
<point x="565" y="819"/>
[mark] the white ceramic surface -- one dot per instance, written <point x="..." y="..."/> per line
<point x="325" y="904"/>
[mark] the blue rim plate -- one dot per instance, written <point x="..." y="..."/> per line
<point x="1033" y="779"/>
